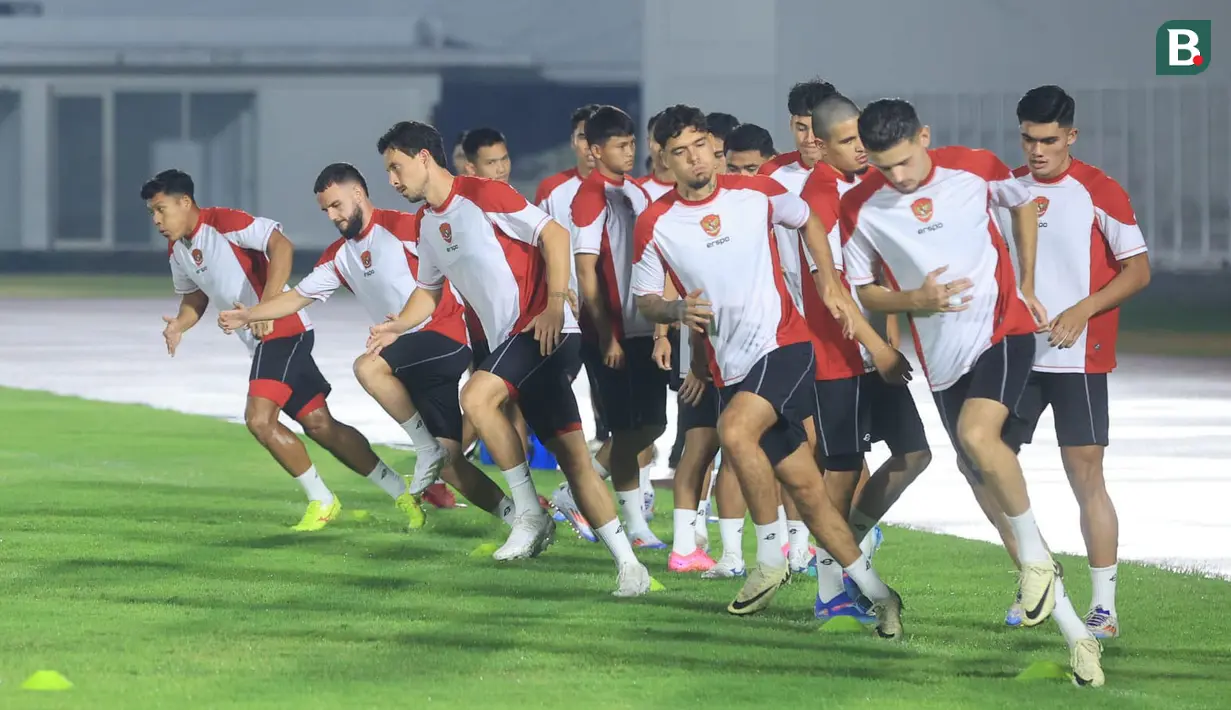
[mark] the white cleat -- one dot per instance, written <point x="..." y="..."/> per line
<point x="634" y="580"/>
<point x="1086" y="661"/>
<point x="889" y="617"/>
<point x="428" y="465"/>
<point x="646" y="540"/>
<point x="728" y="567"/>
<point x="532" y="533"/>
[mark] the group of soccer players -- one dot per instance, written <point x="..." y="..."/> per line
<point x="744" y="279"/>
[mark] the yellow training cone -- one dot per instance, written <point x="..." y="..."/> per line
<point x="1044" y="670"/>
<point x="843" y="625"/>
<point x="47" y="680"/>
<point x="484" y="550"/>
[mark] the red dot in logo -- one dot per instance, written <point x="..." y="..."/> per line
<point x="1198" y="60"/>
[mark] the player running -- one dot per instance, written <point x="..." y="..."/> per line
<point x="510" y="261"/>
<point x="232" y="258"/>
<point x="710" y="237"/>
<point x="924" y="214"/>
<point x="416" y="379"/>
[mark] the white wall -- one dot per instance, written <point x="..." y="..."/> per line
<point x="307" y="124"/>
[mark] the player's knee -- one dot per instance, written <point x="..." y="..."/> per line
<point x="977" y="437"/>
<point x="734" y="432"/>
<point x="368" y="367"/>
<point x="1084" y="466"/>
<point x="318" y="427"/>
<point x="916" y="461"/>
<point x="261" y="426"/>
<point x="482" y="395"/>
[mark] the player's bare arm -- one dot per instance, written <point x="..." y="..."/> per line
<point x="419" y="307"/>
<point x="596" y="306"/>
<point x="557" y="246"/>
<point x="692" y="310"/>
<point x="192" y="307"/>
<point x="662" y="346"/>
<point x="693" y="387"/>
<point x="281" y="254"/>
<point x="934" y="296"/>
<point x="1026" y="234"/>
<point x="268" y="310"/>
<point x="837" y="299"/>
<point x="892" y="366"/>
<point x="1134" y="276"/>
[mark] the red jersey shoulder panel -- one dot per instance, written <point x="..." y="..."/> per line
<point x="854" y="200"/>
<point x="977" y="161"/>
<point x="778" y="161"/>
<point x="331" y="252"/>
<point x="548" y="184"/>
<point x="821" y="193"/>
<point x="225" y="219"/>
<point x="760" y="183"/>
<point x="643" y="231"/>
<point x="403" y="225"/>
<point x="490" y="195"/>
<point x="1105" y="192"/>
<point x="589" y="202"/>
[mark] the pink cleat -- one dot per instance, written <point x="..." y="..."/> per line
<point x="439" y="496"/>
<point x="698" y="561"/>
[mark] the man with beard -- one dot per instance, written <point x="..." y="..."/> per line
<point x="416" y="379"/>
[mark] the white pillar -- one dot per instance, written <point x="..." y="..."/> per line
<point x="36" y="155"/>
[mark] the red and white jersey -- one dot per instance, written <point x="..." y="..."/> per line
<point x="837" y="357"/>
<point x="485" y="240"/>
<point x="724" y="246"/>
<point x="604" y="214"/>
<point x="379" y="266"/>
<point x="555" y="197"/>
<point x="225" y="258"/>
<point x="654" y="187"/>
<point x="788" y="169"/>
<point x="947" y="221"/>
<point x="1086" y="228"/>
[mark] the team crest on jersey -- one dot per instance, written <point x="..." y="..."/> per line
<point x="922" y="208"/>
<point x="446" y="233"/>
<point x="197" y="257"/>
<point x="1042" y="203"/>
<point x="712" y="224"/>
<point x="366" y="259"/>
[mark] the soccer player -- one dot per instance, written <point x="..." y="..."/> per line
<point x="415" y="380"/>
<point x="511" y="261"/>
<point x="230" y="257"/>
<point x="660" y="180"/>
<point x="925" y="216"/>
<point x="855" y="405"/>
<point x="1091" y="258"/>
<point x="721" y="124"/>
<point x="487" y="154"/>
<point x="748" y="147"/>
<point x="710" y="237"/>
<point x="631" y="387"/>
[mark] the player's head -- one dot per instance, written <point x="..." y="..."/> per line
<point x="721" y="124"/>
<point x="578" y="137"/>
<point x="896" y="142"/>
<point x="656" y="151"/>
<point x="170" y="198"/>
<point x="487" y="154"/>
<point x="802" y="98"/>
<point x="342" y="194"/>
<point x="687" y="148"/>
<point x="460" y="164"/>
<point x="410" y="149"/>
<point x="835" y="123"/>
<point x="612" y="137"/>
<point x="1045" y="115"/>
<point x="748" y="147"/>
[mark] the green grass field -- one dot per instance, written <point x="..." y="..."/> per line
<point x="145" y="555"/>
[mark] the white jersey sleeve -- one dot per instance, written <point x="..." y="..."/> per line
<point x="256" y="235"/>
<point x="588" y="239"/>
<point x="181" y="281"/>
<point x="789" y="210"/>
<point x="320" y="283"/>
<point x="859" y="258"/>
<point x="523" y="225"/>
<point x="1123" y="235"/>
<point x="430" y="276"/>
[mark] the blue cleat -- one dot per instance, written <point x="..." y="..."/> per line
<point x="842" y="605"/>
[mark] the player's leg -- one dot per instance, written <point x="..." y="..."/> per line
<point x="268" y="392"/>
<point x="645" y="470"/>
<point x="699" y="422"/>
<point x="731" y="513"/>
<point x="800" y="554"/>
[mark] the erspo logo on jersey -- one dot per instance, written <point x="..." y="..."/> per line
<point x="1182" y="47"/>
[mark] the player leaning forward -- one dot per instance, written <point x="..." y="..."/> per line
<point x="511" y="262"/>
<point x="709" y="237"/>
<point x="232" y="258"/>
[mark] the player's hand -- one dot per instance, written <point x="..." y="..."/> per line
<point x="233" y="320"/>
<point x="1039" y="312"/>
<point x="572" y="303"/>
<point x="383" y="335"/>
<point x="892" y="365"/>
<point x="694" y="311"/>
<point x="842" y="307"/>
<point x="946" y="297"/>
<point x="613" y="356"/>
<point x="1067" y="327"/>
<point x="662" y="353"/>
<point x="172" y="333"/>
<point x="691" y="389"/>
<point x="261" y="328"/>
<point x="547" y="326"/>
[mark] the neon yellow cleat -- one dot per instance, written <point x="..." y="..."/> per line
<point x="412" y="506"/>
<point x="318" y="515"/>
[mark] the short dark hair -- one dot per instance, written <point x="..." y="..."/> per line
<point x="886" y="122"/>
<point x="337" y="174"/>
<point x="410" y="137"/>
<point x="673" y="120"/>
<point x="1047" y="104"/>
<point x="649" y="125"/>
<point x="480" y="138"/>
<point x="831" y="111"/>
<point x="170" y="183"/>
<point x="721" y="124"/>
<point x="749" y="136"/>
<point x="805" y="95"/>
<point x="608" y="122"/>
<point x="582" y="113"/>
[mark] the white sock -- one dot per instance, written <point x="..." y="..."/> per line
<point x="643" y="477"/>
<point x="521" y="487"/>
<point x="419" y="435"/>
<point x="314" y="486"/>
<point x="630" y="509"/>
<point x="388" y="480"/>
<point x="1071" y="625"/>
<point x="785" y="537"/>
<point x="506" y="511"/>
<point x="869" y="581"/>
<point x="601" y="470"/>
<point x="828" y="577"/>
<point x="797" y="536"/>
<point x="1103" y="579"/>
<point x="731" y="532"/>
<point x="861" y="525"/>
<point x="684" y="539"/>
<point x="612" y="535"/>
<point x="769" y="545"/>
<point x="1030" y="545"/>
